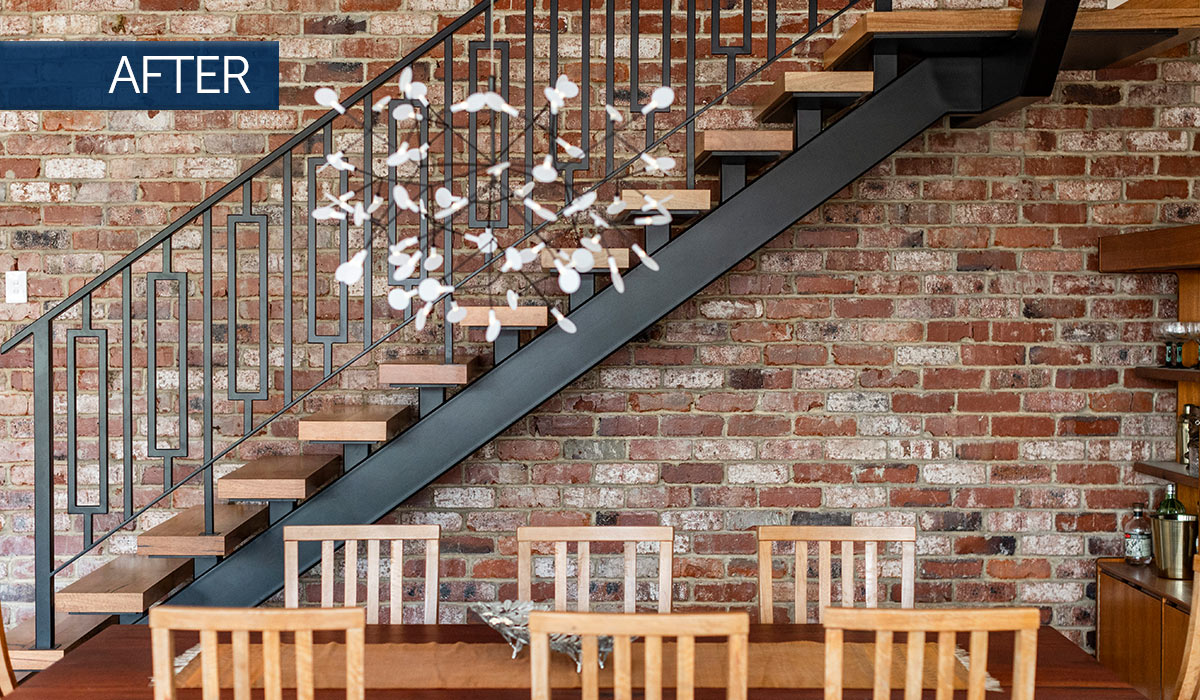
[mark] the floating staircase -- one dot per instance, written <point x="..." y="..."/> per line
<point x="891" y="76"/>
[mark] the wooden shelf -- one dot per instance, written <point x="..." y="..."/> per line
<point x="1170" y="471"/>
<point x="1156" y="250"/>
<point x="1168" y="374"/>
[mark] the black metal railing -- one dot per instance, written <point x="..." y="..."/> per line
<point x="197" y="378"/>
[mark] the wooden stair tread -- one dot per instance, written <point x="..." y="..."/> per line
<point x="714" y="142"/>
<point x="69" y="632"/>
<point x="183" y="535"/>
<point x="776" y="103"/>
<point x="621" y="255"/>
<point x="369" y="423"/>
<point x="127" y="584"/>
<point x="680" y="200"/>
<point x="422" y="372"/>
<point x="926" y="23"/>
<point x="291" y="478"/>
<point x="521" y="317"/>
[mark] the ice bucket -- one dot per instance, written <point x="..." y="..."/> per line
<point x="1174" y="544"/>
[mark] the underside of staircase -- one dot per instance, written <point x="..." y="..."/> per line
<point x="888" y="78"/>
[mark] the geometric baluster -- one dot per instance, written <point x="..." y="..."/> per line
<point x="153" y="449"/>
<point x="231" y="292"/>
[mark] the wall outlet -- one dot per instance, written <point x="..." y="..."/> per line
<point x="14" y="287"/>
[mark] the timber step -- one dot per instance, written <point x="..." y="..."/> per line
<point x="277" y="477"/>
<point x="520" y="317"/>
<point x="355" y="424"/>
<point x="676" y="200"/>
<point x="711" y="146"/>
<point x="1099" y="38"/>
<point x="183" y="535"/>
<point x="814" y="90"/>
<point x="127" y="584"/>
<point x="419" y="372"/>
<point x="69" y="632"/>
<point x="600" y="257"/>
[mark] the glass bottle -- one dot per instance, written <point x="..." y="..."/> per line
<point x="1138" y="549"/>
<point x="1170" y="505"/>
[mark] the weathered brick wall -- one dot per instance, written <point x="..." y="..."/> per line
<point x="934" y="347"/>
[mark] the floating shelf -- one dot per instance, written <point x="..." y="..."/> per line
<point x="1168" y="374"/>
<point x="1170" y="471"/>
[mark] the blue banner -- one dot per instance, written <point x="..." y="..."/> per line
<point x="139" y="75"/>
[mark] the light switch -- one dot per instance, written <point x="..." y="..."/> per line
<point x="14" y="287"/>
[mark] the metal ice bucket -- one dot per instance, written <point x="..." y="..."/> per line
<point x="1174" y="544"/>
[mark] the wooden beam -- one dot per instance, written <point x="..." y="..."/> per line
<point x="966" y="22"/>
<point x="1157" y="250"/>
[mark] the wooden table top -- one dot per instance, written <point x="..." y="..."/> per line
<point x="115" y="665"/>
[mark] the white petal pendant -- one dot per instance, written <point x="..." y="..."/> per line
<point x="400" y="298"/>
<point x="456" y="313"/>
<point x="434" y="260"/>
<point x="564" y="323"/>
<point x="423" y="316"/>
<point x="646" y="259"/>
<point x="583" y="260"/>
<point x="568" y="278"/>
<point x="351" y="271"/>
<point x="493" y="327"/>
<point x="327" y="97"/>
<point x="512" y="298"/>
<point x="618" y="282"/>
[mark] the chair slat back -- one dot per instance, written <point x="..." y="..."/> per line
<point x="946" y="625"/>
<point x="1187" y="684"/>
<point x="396" y="535"/>
<point x="824" y="538"/>
<point x="652" y="628"/>
<point x="583" y="536"/>
<point x="270" y="623"/>
<point x="8" y="679"/>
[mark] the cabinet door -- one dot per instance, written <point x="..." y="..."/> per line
<point x="1174" y="636"/>
<point x="1129" y="635"/>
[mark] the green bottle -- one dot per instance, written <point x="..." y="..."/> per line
<point x="1169" y="504"/>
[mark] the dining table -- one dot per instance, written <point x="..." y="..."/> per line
<point x="116" y="665"/>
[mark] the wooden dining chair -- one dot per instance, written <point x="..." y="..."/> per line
<point x="8" y="678"/>
<point x="652" y="628"/>
<point x="583" y="536"/>
<point x="373" y="535"/>
<point x="240" y="622"/>
<point x="1187" y="684"/>
<point x="978" y="622"/>
<point x="824" y="538"/>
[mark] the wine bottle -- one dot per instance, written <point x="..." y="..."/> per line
<point x="1138" y="550"/>
<point x="1170" y="505"/>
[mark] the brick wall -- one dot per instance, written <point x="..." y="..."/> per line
<point x="933" y="347"/>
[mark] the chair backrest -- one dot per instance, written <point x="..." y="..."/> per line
<point x="373" y="535"/>
<point x="1187" y="684"/>
<point x="583" y="537"/>
<point x="652" y="628"/>
<point x="978" y="622"/>
<point x="8" y="679"/>
<point x="240" y="622"/>
<point x="824" y="538"/>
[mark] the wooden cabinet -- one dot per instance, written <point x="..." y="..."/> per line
<point x="1174" y="637"/>
<point x="1141" y="626"/>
